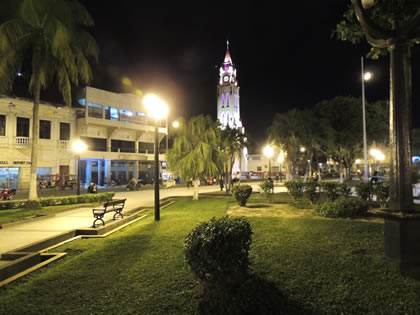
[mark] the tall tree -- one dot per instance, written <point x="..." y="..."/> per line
<point x="233" y="141"/>
<point x="286" y="133"/>
<point x="53" y="33"/>
<point x="391" y="26"/>
<point x="195" y="153"/>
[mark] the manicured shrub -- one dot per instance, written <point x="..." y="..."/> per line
<point x="12" y="204"/>
<point x="331" y="189"/>
<point x="217" y="251"/>
<point x="342" y="208"/>
<point x="295" y="189"/>
<point x="267" y="187"/>
<point x="56" y="201"/>
<point x="311" y="190"/>
<point x="344" y="190"/>
<point x="241" y="193"/>
<point x="381" y="191"/>
<point x="364" y="191"/>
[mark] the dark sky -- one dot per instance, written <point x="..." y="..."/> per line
<point x="285" y="56"/>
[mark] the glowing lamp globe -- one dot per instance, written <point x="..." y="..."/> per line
<point x="155" y="106"/>
<point x="79" y="146"/>
<point x="268" y="151"/>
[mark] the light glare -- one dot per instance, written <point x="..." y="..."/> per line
<point x="155" y="106"/>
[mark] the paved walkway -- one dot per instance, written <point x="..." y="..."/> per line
<point x="30" y="231"/>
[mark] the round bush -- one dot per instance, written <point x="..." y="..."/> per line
<point x="241" y="193"/>
<point x="295" y="189"/>
<point x="217" y="251"/>
<point x="342" y="208"/>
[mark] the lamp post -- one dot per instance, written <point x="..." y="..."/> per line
<point x="269" y="152"/>
<point x="365" y="77"/>
<point x="79" y="146"/>
<point x="280" y="159"/>
<point x="158" y="110"/>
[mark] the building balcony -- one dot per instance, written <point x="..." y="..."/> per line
<point x="64" y="144"/>
<point x="23" y="142"/>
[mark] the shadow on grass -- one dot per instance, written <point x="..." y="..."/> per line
<point x="255" y="296"/>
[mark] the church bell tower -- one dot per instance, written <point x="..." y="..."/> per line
<point x="228" y="112"/>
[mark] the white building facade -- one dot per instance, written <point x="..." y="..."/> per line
<point x="118" y="133"/>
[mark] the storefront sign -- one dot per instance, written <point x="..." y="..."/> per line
<point x="21" y="162"/>
<point x="4" y="162"/>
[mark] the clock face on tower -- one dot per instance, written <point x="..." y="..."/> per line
<point x="225" y="78"/>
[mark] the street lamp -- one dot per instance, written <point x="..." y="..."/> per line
<point x="79" y="146"/>
<point x="365" y="77"/>
<point x="280" y="159"/>
<point x="269" y="152"/>
<point x="158" y="110"/>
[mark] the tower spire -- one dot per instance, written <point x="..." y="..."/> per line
<point x="228" y="59"/>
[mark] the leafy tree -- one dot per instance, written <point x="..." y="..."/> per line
<point x="53" y="33"/>
<point x="233" y="141"/>
<point x="195" y="152"/>
<point x="339" y="132"/>
<point x="383" y="13"/>
<point x="392" y="26"/>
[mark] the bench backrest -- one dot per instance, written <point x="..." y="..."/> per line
<point x="114" y="203"/>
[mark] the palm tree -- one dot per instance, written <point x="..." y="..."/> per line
<point x="233" y="141"/>
<point x="53" y="33"/>
<point x="195" y="153"/>
<point x="284" y="132"/>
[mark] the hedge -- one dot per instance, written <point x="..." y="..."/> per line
<point x="56" y="201"/>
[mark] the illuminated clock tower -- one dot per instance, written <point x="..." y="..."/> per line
<point x="228" y="94"/>
<point x="228" y="110"/>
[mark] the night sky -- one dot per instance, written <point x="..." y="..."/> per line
<point x="285" y="57"/>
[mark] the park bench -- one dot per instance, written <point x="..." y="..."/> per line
<point x="116" y="206"/>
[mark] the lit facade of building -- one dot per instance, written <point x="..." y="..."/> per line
<point x="118" y="133"/>
<point x="228" y="104"/>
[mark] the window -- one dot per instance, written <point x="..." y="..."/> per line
<point x="111" y="113"/>
<point x="259" y="169"/>
<point x="22" y="127"/>
<point x="256" y="158"/>
<point x="125" y="115"/>
<point x="146" y="147"/>
<point x="122" y="146"/>
<point x="223" y="100"/>
<point x="95" y="110"/>
<point x="2" y="125"/>
<point x="227" y="99"/>
<point x="64" y="131"/>
<point x="44" y="129"/>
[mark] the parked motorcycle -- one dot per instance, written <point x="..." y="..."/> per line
<point x="132" y="186"/>
<point x="92" y="189"/>
<point x="7" y="194"/>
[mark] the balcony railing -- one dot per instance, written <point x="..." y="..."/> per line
<point x="22" y="142"/>
<point x="64" y="144"/>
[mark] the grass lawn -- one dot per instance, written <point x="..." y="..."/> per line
<point x="321" y="266"/>
<point x="13" y="215"/>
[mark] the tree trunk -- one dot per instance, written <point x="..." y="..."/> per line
<point x="401" y="190"/>
<point x="228" y="175"/>
<point x="33" y="202"/>
<point x="195" y="192"/>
